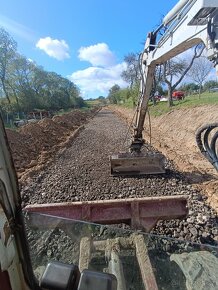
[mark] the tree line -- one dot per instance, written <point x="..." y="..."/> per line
<point x="168" y="77"/>
<point x="26" y="86"/>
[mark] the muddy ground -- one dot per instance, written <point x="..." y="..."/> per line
<point x="173" y="134"/>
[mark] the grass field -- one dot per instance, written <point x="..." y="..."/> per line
<point x="92" y="103"/>
<point x="190" y="101"/>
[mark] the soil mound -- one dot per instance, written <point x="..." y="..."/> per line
<point x="35" y="143"/>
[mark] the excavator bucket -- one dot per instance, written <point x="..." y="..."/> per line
<point x="137" y="163"/>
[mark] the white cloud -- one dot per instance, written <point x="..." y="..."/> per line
<point x="97" y="80"/>
<point x="55" y="48"/>
<point x="102" y="75"/>
<point x="98" y="55"/>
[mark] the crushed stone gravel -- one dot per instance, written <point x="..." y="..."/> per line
<point x="82" y="172"/>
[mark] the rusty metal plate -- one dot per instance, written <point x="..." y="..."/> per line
<point x="140" y="164"/>
<point x="140" y="213"/>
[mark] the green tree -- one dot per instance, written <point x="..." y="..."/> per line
<point x="132" y="74"/>
<point x="210" y="84"/>
<point x="26" y="86"/>
<point x="114" y="94"/>
<point x="8" y="49"/>
<point x="20" y="83"/>
<point x="199" y="72"/>
<point x="157" y="84"/>
<point x="178" y="68"/>
<point x="189" y="88"/>
<point x="102" y="100"/>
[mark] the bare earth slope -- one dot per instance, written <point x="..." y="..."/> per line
<point x="174" y="135"/>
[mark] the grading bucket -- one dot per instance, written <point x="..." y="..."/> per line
<point x="137" y="163"/>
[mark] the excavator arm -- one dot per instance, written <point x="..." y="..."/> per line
<point x="189" y="23"/>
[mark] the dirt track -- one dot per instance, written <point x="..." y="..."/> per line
<point x="82" y="172"/>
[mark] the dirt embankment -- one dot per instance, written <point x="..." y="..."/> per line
<point x="174" y="135"/>
<point x="34" y="145"/>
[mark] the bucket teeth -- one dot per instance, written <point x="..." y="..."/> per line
<point x="137" y="164"/>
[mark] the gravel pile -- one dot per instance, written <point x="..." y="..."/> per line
<point x="82" y="173"/>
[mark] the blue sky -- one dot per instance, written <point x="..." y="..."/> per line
<point x="84" y="40"/>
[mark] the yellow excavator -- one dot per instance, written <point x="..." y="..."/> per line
<point x="187" y="24"/>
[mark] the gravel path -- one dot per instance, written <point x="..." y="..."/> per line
<point x="82" y="173"/>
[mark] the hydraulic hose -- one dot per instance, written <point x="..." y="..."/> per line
<point x="207" y="142"/>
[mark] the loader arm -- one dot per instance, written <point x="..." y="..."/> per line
<point x="187" y="24"/>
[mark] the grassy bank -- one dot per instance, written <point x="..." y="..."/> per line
<point x="190" y="101"/>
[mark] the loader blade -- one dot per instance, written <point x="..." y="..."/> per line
<point x="137" y="164"/>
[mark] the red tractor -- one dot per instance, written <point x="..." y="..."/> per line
<point x="178" y="95"/>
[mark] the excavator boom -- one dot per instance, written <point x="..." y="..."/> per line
<point x="189" y="23"/>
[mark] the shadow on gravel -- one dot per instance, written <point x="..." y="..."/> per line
<point x="187" y="177"/>
<point x="169" y="174"/>
<point x="139" y="177"/>
<point x="105" y="113"/>
<point x="196" y="177"/>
